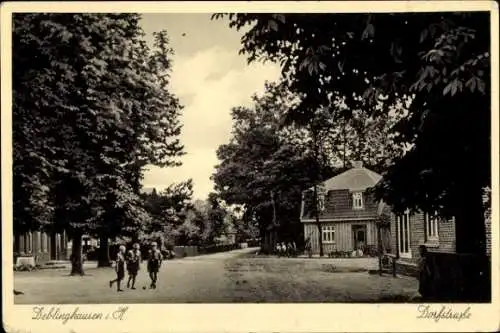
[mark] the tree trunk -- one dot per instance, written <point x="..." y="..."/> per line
<point x="470" y="227"/>
<point x="318" y="224"/>
<point x="318" y="177"/>
<point x="274" y="239"/>
<point x="471" y="277"/>
<point x="76" y="254"/>
<point x="345" y="143"/>
<point x="103" y="259"/>
<point x="263" y="240"/>
<point x="379" y="249"/>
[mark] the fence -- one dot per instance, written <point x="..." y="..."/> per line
<point x="218" y="248"/>
<point x="460" y="277"/>
<point x="185" y="251"/>
<point x="191" y="251"/>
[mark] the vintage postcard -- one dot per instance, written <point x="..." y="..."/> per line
<point x="250" y="166"/>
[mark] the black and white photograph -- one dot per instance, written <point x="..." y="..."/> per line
<point x="232" y="157"/>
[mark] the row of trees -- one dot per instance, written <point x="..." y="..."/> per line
<point x="436" y="64"/>
<point x="91" y="108"/>
<point x="177" y="220"/>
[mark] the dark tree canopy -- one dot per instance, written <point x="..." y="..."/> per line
<point x="441" y="61"/>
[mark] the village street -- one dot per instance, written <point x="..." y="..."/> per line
<point x="236" y="276"/>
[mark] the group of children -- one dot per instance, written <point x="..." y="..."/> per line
<point x="288" y="249"/>
<point x="132" y="259"/>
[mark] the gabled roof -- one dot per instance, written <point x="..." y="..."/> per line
<point x="355" y="179"/>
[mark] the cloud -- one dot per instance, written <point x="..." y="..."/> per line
<point x="209" y="84"/>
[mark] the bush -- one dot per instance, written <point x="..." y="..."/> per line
<point x="92" y="255"/>
<point x="253" y="242"/>
<point x="168" y="254"/>
<point x="24" y="268"/>
<point x="340" y="254"/>
<point x="371" y="251"/>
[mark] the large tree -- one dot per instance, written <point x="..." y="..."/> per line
<point x="91" y="108"/>
<point x="267" y="164"/>
<point x="439" y="61"/>
<point x="272" y="157"/>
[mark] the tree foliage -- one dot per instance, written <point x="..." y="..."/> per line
<point x="177" y="220"/>
<point x="272" y="157"/>
<point x="438" y="61"/>
<point x="90" y="109"/>
<point x="169" y="211"/>
<point x="265" y="161"/>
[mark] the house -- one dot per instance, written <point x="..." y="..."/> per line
<point x="410" y="230"/>
<point x="41" y="245"/>
<point x="459" y="277"/>
<point x="348" y="212"/>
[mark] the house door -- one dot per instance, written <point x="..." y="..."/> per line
<point x="359" y="236"/>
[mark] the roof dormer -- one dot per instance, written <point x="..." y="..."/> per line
<point x="357" y="200"/>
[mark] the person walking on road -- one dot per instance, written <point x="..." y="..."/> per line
<point x="154" y="263"/>
<point x="133" y="264"/>
<point x="119" y="268"/>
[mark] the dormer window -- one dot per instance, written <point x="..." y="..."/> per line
<point x="321" y="202"/>
<point x="357" y="200"/>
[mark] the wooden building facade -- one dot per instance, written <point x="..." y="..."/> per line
<point x="41" y="245"/>
<point x="341" y="236"/>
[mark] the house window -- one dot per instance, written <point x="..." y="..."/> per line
<point x="403" y="225"/>
<point x="328" y="234"/>
<point x="357" y="200"/>
<point x="431" y="227"/>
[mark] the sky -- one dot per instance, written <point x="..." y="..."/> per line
<point x="209" y="78"/>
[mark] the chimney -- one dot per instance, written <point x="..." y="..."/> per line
<point x="357" y="164"/>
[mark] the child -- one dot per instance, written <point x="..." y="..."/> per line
<point x="154" y="263"/>
<point x="119" y="268"/>
<point x="133" y="264"/>
<point x="288" y="247"/>
<point x="278" y="249"/>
